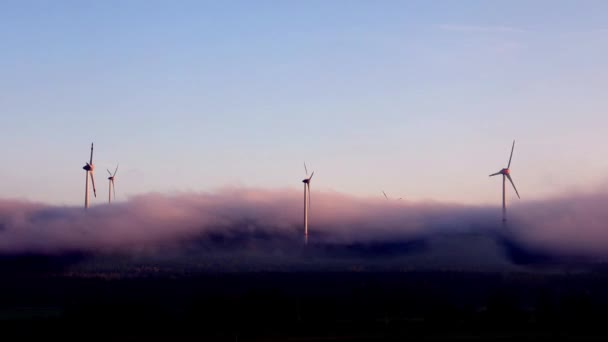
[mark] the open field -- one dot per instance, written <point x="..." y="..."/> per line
<point x="307" y="305"/>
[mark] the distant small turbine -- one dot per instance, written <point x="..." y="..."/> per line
<point x="306" y="182"/>
<point x="385" y="196"/>
<point x="112" y="188"/>
<point x="506" y="173"/>
<point x="89" y="168"/>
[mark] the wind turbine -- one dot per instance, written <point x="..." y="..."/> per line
<point x="385" y="196"/>
<point x="306" y="182"/>
<point x="506" y="174"/>
<point x="112" y="186"/>
<point x="89" y="168"/>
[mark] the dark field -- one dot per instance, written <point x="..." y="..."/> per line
<point x="305" y="306"/>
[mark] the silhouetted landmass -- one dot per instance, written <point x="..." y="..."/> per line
<point x="263" y="287"/>
<point x="437" y="305"/>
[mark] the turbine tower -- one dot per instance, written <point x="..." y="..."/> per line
<point x="306" y="182"/>
<point x="506" y="174"/>
<point x="112" y="188"/>
<point x="89" y="168"/>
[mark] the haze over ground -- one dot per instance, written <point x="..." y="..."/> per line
<point x="252" y="229"/>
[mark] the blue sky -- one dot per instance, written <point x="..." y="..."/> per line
<point x="420" y="99"/>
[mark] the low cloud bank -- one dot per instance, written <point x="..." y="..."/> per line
<point x="249" y="223"/>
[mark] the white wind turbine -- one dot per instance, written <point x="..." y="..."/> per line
<point x="112" y="188"/>
<point x="89" y="168"/>
<point x="306" y="182"/>
<point x="506" y="174"/>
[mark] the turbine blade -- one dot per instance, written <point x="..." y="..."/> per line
<point x="384" y="194"/>
<point x="110" y="173"/>
<point x="93" y="182"/>
<point x="512" y="147"/>
<point x="91" y="161"/>
<point x="511" y="180"/>
<point x="495" y="174"/>
<point x="115" y="170"/>
<point x="312" y="174"/>
<point x="305" y="169"/>
<point x="114" y="188"/>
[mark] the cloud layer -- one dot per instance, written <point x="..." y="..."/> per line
<point x="248" y="225"/>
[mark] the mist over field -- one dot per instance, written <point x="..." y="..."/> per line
<point x="254" y="227"/>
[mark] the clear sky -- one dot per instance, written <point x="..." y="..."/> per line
<point x="418" y="98"/>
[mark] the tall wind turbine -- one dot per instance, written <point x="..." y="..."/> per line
<point x="506" y="174"/>
<point x="112" y="188"/>
<point x="306" y="182"/>
<point x="89" y="168"/>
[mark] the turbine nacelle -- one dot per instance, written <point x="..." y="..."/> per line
<point x="504" y="172"/>
<point x="89" y="167"/>
<point x="307" y="180"/>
